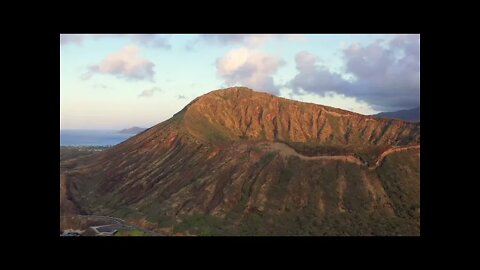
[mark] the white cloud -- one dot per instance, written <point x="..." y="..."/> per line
<point x="126" y="64"/>
<point x="331" y="99"/>
<point x="249" y="68"/>
<point x="149" y="92"/>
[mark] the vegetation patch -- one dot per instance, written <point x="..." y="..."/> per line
<point x="399" y="174"/>
<point x="202" y="225"/>
<point x="278" y="189"/>
<point x="70" y="152"/>
<point x="262" y="135"/>
<point x="209" y="131"/>
<point x="334" y="123"/>
<point x="266" y="159"/>
<point x="356" y="196"/>
<point x="130" y="233"/>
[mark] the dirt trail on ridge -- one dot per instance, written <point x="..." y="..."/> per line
<point x="286" y="150"/>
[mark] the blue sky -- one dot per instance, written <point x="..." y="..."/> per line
<point x="119" y="81"/>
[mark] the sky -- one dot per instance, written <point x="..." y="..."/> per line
<point x="118" y="81"/>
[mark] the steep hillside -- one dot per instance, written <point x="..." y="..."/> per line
<point x="239" y="162"/>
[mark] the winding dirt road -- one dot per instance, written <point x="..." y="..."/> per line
<point x="391" y="151"/>
<point x="286" y="150"/>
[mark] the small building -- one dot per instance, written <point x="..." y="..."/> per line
<point x="105" y="230"/>
<point x="109" y="233"/>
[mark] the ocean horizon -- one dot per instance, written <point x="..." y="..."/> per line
<point x="91" y="137"/>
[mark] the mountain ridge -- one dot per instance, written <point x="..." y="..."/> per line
<point x="410" y="115"/>
<point x="242" y="113"/>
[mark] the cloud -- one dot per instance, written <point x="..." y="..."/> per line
<point x="148" y="40"/>
<point x="387" y="76"/>
<point x="78" y="39"/>
<point x="149" y="92"/>
<point x="71" y="39"/>
<point x="191" y="44"/>
<point x="249" y="68"/>
<point x="190" y="47"/>
<point x="99" y="85"/>
<point x="153" y="40"/>
<point x="126" y="64"/>
<point x="332" y="99"/>
<point x="247" y="40"/>
<point x="315" y="78"/>
<point x="293" y="37"/>
<point x="181" y="97"/>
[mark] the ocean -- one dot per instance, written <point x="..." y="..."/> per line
<point x="84" y="137"/>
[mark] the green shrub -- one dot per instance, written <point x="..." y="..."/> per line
<point x="266" y="159"/>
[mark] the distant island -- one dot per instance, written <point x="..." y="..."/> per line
<point x="132" y="130"/>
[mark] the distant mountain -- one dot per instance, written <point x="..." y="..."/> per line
<point x="239" y="162"/>
<point x="132" y="130"/>
<point x="412" y="115"/>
